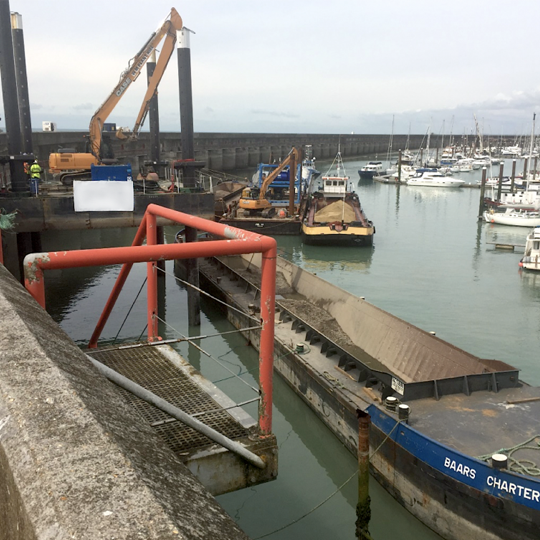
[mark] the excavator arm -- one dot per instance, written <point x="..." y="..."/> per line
<point x="168" y="30"/>
<point x="262" y="202"/>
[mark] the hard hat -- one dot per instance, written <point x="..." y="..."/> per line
<point x="35" y="160"/>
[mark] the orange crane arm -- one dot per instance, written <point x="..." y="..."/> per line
<point x="292" y="157"/>
<point x="168" y="29"/>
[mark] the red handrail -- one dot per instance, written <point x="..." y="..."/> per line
<point x="237" y="242"/>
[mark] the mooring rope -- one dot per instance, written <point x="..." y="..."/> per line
<point x="129" y="311"/>
<point x="310" y="511"/>
<point x="520" y="466"/>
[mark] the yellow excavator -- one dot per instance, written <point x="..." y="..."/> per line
<point x="254" y="199"/>
<point x="71" y="166"/>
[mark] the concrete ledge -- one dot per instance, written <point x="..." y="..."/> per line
<point x="74" y="460"/>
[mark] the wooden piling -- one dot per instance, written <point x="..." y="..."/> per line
<point x="499" y="189"/>
<point x="399" y="168"/>
<point x="363" y="508"/>
<point x="482" y="191"/>
<point x="513" y="181"/>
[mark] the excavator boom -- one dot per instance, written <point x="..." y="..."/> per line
<point x="77" y="165"/>
<point x="168" y="29"/>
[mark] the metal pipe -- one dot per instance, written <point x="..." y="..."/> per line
<point x="266" y="353"/>
<point x="35" y="263"/>
<point x="151" y="271"/>
<point x="177" y="413"/>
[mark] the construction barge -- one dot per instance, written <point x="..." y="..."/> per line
<point x="456" y="436"/>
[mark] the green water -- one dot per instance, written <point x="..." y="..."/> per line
<point x="431" y="264"/>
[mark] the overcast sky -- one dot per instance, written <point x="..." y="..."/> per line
<point x="330" y="66"/>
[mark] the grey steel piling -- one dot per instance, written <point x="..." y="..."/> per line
<point x="21" y="79"/>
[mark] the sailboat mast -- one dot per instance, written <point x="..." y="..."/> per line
<point x="531" y="149"/>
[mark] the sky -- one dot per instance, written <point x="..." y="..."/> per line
<point x="330" y="66"/>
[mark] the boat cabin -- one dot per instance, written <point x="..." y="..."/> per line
<point x="335" y="184"/>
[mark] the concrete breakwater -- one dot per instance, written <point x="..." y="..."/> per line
<point x="223" y="151"/>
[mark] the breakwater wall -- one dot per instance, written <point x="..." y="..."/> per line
<point x="225" y="151"/>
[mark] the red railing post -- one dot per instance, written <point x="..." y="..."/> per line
<point x="266" y="351"/>
<point x="237" y="242"/>
<point x="151" y="284"/>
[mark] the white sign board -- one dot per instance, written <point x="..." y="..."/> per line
<point x="103" y="196"/>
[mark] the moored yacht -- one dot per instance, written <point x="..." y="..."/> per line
<point x="371" y="169"/>
<point x="433" y="178"/>
<point x="531" y="258"/>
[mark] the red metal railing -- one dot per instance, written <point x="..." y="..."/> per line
<point x="237" y="241"/>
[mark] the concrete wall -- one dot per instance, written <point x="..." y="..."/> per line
<point x="75" y="462"/>
<point x="225" y="151"/>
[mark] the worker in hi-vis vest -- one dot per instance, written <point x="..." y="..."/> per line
<point x="35" y="177"/>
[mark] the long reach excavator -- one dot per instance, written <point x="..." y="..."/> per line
<point x="77" y="166"/>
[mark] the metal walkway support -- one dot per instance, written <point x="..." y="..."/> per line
<point x="237" y="241"/>
<point x="177" y="413"/>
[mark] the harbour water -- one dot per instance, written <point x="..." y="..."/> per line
<point x="432" y="264"/>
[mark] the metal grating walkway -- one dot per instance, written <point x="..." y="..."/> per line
<point x="150" y="368"/>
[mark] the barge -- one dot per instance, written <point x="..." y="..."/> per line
<point x="442" y="461"/>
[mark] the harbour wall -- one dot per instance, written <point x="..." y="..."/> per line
<point x="226" y="151"/>
<point x="75" y="462"/>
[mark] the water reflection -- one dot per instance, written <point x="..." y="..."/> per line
<point x="325" y="259"/>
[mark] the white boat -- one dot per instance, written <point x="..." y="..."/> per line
<point x="463" y="165"/>
<point x="531" y="258"/>
<point x="513" y="217"/>
<point x="433" y="178"/>
<point x="407" y="171"/>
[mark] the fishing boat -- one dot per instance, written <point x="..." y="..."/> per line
<point x="531" y="258"/>
<point x="371" y="169"/>
<point x="454" y="438"/>
<point x="333" y="214"/>
<point x="433" y="178"/>
<point x="513" y="217"/>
